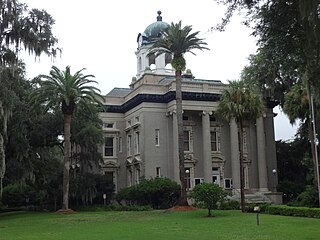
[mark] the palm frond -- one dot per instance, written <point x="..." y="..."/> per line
<point x="63" y="87"/>
<point x="178" y="41"/>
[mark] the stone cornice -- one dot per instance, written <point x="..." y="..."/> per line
<point x="157" y="98"/>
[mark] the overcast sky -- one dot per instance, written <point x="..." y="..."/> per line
<point x="101" y="37"/>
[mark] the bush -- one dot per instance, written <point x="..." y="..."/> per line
<point x="208" y="195"/>
<point x="160" y="193"/>
<point x="16" y="195"/>
<point x="308" y="198"/>
<point x="294" y="211"/>
<point x="229" y="205"/>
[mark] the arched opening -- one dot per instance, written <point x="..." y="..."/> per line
<point x="168" y="58"/>
<point x="152" y="59"/>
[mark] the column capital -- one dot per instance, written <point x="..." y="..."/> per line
<point x="205" y="112"/>
<point x="170" y="113"/>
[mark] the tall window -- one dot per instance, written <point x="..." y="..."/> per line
<point x="187" y="140"/>
<point x="158" y="172"/>
<point x="157" y="137"/>
<point x="129" y="144"/>
<point x="214" y="142"/>
<point x="228" y="183"/>
<point x="215" y="139"/>
<point x="108" y="146"/>
<point x="216" y="176"/>
<point x="130" y="178"/>
<point x="136" y="142"/>
<point x="109" y="177"/>
<point x="137" y="176"/>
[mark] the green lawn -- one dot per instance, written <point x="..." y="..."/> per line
<point x="155" y="225"/>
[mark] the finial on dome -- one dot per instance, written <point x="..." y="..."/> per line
<point x="159" y="18"/>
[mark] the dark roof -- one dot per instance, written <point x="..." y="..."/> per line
<point x="119" y="92"/>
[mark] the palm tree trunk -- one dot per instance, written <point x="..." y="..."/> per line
<point x="66" y="168"/>
<point x="183" y="193"/>
<point x="242" y="196"/>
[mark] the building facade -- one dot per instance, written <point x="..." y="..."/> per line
<point x="141" y="134"/>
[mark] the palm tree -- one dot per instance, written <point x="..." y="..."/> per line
<point x="65" y="90"/>
<point x="178" y="41"/>
<point x="241" y="101"/>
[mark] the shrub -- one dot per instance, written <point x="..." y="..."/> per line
<point x="229" y="205"/>
<point x="308" y="198"/>
<point x="208" y="195"/>
<point x="16" y="195"/>
<point x="294" y="211"/>
<point x="160" y="193"/>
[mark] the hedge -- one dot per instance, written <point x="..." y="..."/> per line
<point x="294" y="211"/>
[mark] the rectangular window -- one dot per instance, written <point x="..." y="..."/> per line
<point x="216" y="176"/>
<point x="228" y="183"/>
<point x="129" y="145"/>
<point x="136" y="142"/>
<point x="157" y="137"/>
<point x="108" y="125"/>
<point x="187" y="141"/>
<point x="109" y="177"/>
<point x="213" y="119"/>
<point x="130" y="178"/>
<point x="137" y="176"/>
<point x="137" y="119"/>
<point x="214" y="142"/>
<point x="108" y="146"/>
<point x="198" y="181"/>
<point x="129" y="123"/>
<point x="120" y="144"/>
<point x="158" y="172"/>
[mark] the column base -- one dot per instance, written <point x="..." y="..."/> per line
<point x="263" y="190"/>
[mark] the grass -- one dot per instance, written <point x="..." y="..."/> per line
<point x="155" y="225"/>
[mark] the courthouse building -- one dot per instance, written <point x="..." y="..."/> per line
<point x="141" y="136"/>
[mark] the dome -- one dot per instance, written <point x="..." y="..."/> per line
<point x="154" y="30"/>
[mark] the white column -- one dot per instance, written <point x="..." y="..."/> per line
<point x="160" y="64"/>
<point x="206" y="142"/>
<point x="175" y="148"/>
<point x="235" y="161"/>
<point x="262" y="162"/>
